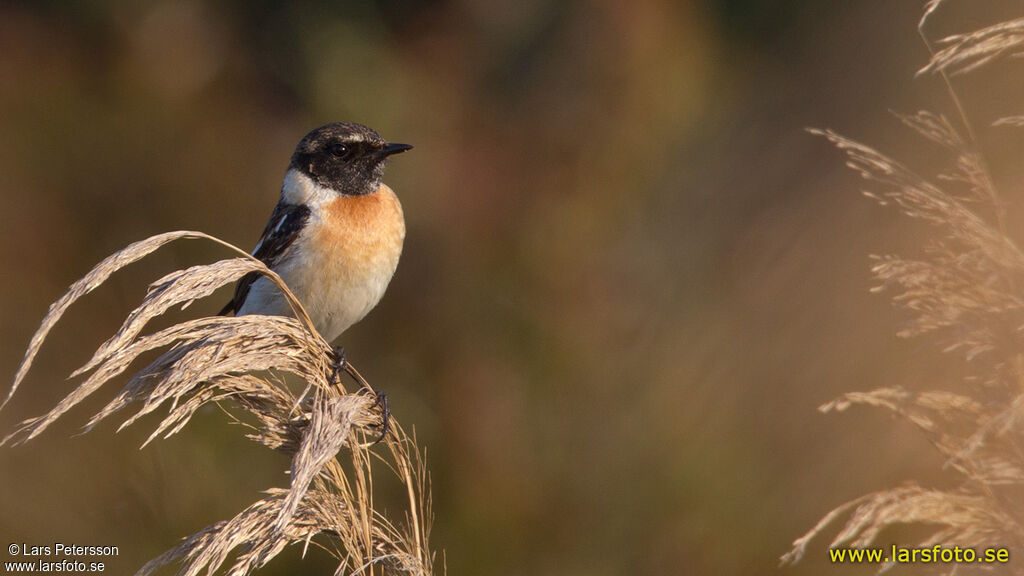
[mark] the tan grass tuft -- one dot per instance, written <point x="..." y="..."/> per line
<point x="239" y="364"/>
<point x="962" y="53"/>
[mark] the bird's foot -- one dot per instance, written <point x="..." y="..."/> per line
<point x="385" y="415"/>
<point x="338" y="366"/>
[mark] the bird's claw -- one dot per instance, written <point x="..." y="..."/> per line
<point x="338" y="366"/>
<point x="385" y="414"/>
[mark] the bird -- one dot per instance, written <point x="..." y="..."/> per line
<point x="335" y="235"/>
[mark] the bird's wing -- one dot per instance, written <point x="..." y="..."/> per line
<point x="284" y="227"/>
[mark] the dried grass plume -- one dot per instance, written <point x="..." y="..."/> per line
<point x="240" y="364"/>
<point x="963" y="293"/>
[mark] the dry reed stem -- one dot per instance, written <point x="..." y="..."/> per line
<point x="239" y="363"/>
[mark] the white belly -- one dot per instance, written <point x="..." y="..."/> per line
<point x="335" y="299"/>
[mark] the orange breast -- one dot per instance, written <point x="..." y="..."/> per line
<point x="365" y="231"/>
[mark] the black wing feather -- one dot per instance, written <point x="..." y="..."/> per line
<point x="284" y="227"/>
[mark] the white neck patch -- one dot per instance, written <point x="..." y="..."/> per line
<point x="301" y="189"/>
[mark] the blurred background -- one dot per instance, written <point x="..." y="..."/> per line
<point x="630" y="276"/>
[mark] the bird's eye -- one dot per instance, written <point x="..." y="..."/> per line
<point x="338" y="150"/>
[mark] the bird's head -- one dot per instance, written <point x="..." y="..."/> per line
<point x="345" y="157"/>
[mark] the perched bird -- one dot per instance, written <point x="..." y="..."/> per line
<point x="335" y="235"/>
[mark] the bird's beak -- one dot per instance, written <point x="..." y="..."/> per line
<point x="393" y="148"/>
